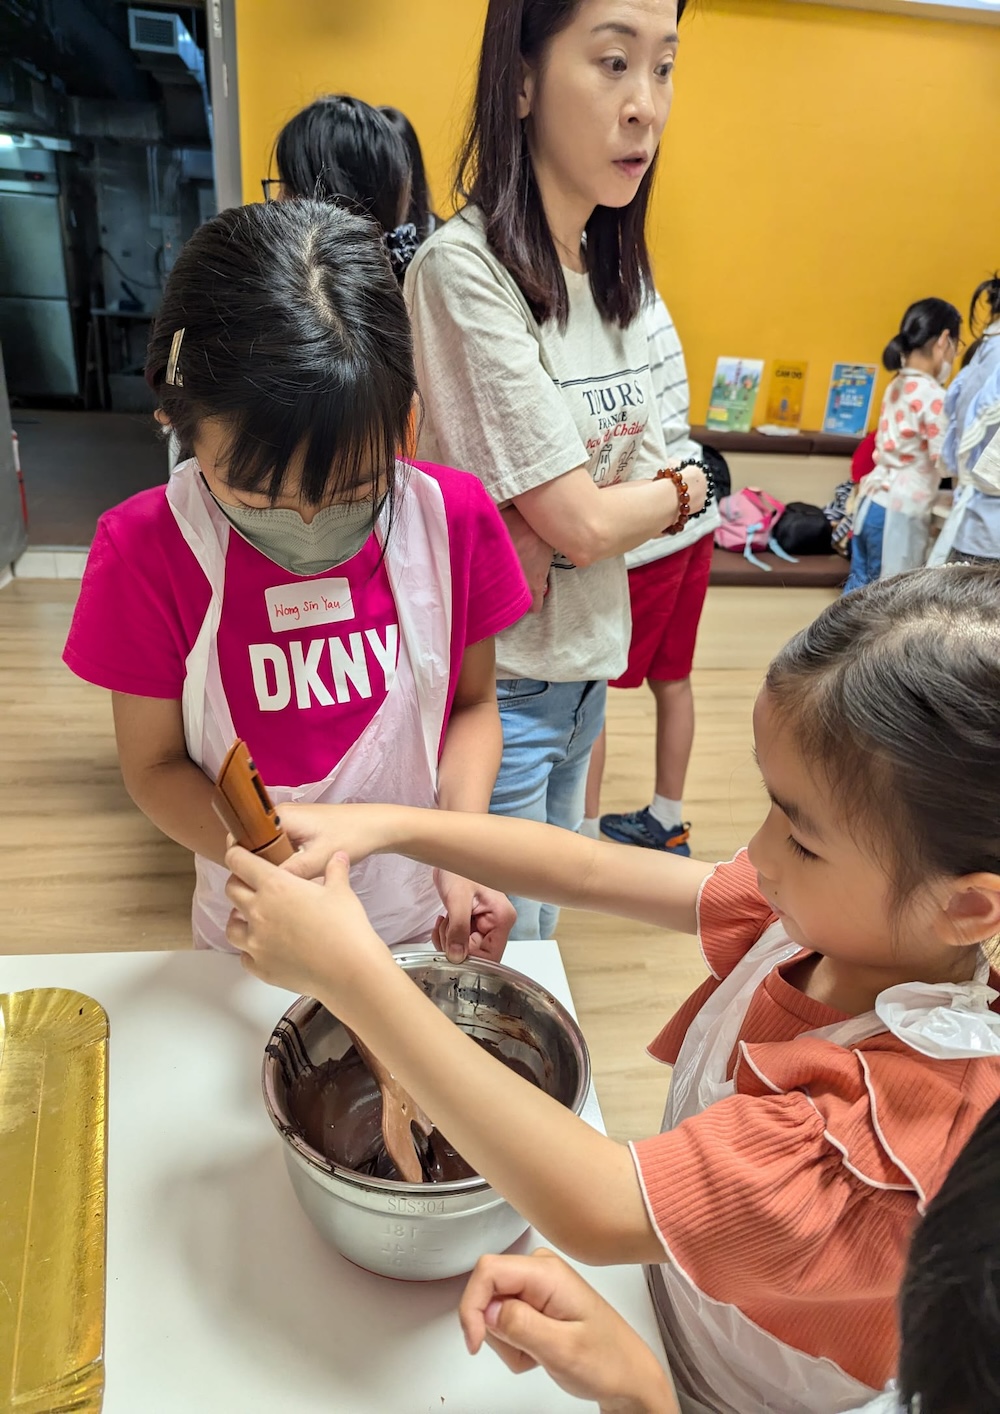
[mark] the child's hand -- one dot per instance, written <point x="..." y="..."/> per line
<point x="318" y="832"/>
<point x="538" y="1311"/>
<point x="295" y="935"/>
<point x="478" y="920"/>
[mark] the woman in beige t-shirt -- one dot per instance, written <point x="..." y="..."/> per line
<point x="533" y="361"/>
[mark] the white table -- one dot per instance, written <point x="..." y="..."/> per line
<point x="221" y="1297"/>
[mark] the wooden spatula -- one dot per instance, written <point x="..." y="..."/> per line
<point x="243" y="805"/>
<point x="399" y="1113"/>
<point x="241" y="801"/>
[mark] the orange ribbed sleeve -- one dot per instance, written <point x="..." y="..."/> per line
<point x="732" y="915"/>
<point x="756" y="1206"/>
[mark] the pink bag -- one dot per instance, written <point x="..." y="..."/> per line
<point x="749" y="518"/>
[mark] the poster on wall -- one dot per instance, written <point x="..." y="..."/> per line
<point x="849" y="401"/>
<point x="734" y="394"/>
<point x="785" y="394"/>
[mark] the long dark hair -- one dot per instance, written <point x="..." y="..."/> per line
<point x="296" y="339"/>
<point x="420" y="213"/>
<point x="341" y="149"/>
<point x="495" y="173"/>
<point x="894" y="692"/>
<point x="950" y="1304"/>
<point x="922" y="323"/>
<point x="988" y="295"/>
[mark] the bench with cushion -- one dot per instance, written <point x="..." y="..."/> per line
<point x="811" y="572"/>
<point x="757" y="459"/>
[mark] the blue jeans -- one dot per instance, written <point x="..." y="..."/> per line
<point x="549" y="729"/>
<point x="866" y="549"/>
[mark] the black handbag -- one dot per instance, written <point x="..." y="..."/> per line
<point x="804" y="530"/>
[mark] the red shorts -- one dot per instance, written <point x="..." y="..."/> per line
<point x="667" y="596"/>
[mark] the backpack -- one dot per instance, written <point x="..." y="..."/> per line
<point x="749" y="518"/>
<point x="804" y="530"/>
<point x="840" y="514"/>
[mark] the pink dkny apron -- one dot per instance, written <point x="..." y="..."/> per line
<point x="396" y="757"/>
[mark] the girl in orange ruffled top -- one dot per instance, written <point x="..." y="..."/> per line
<point x="841" y="1051"/>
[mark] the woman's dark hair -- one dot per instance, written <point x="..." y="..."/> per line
<point x="341" y="149"/>
<point x="950" y="1304"/>
<point x="894" y="692"/>
<point x="988" y="295"/>
<point x="495" y="173"/>
<point x="922" y="323"/>
<point x="296" y="339"/>
<point x="420" y="213"/>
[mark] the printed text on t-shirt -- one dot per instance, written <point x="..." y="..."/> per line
<point x="323" y="672"/>
<point x="616" y="415"/>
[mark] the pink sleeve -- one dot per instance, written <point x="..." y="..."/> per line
<point x="485" y="567"/>
<point x="498" y="591"/>
<point x="121" y="637"/>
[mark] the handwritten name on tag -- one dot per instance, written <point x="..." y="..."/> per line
<point x="321" y="601"/>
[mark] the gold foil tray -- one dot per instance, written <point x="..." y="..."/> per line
<point x="53" y="1184"/>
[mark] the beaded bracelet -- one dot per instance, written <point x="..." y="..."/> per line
<point x="685" y="514"/>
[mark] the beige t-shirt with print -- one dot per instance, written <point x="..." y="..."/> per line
<point x="520" y="404"/>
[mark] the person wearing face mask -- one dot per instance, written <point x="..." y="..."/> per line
<point x="892" y="525"/>
<point x="533" y="359"/>
<point x="297" y="583"/>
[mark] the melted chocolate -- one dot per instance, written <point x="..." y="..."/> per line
<point x="336" y="1108"/>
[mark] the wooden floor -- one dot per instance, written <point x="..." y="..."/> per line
<point x="81" y="869"/>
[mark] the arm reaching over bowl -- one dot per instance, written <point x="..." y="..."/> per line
<point x="516" y="856"/>
<point x="577" y="1186"/>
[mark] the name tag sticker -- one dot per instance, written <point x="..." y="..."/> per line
<point x="321" y="601"/>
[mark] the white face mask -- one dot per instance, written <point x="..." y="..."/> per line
<point x="334" y="535"/>
<point x="944" y="373"/>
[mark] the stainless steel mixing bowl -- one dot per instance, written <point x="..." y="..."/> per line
<point x="421" y="1232"/>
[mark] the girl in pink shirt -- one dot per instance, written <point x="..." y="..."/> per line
<point x="840" y="1052"/>
<point x="295" y="583"/>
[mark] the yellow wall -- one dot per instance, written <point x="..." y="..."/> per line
<point x="823" y="167"/>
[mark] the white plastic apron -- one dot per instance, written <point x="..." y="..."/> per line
<point x="945" y="542"/>
<point x="731" y="1363"/>
<point x="861" y="514"/>
<point x="908" y="520"/>
<point x="395" y="758"/>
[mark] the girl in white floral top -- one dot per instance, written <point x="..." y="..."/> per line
<point x="892" y="527"/>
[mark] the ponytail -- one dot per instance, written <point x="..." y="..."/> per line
<point x="923" y="323"/>
<point x="989" y="291"/>
<point x="980" y="320"/>
<point x="895" y="353"/>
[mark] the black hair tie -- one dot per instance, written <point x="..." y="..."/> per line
<point x="402" y="245"/>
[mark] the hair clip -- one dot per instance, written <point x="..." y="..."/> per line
<point x="175" y="379"/>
